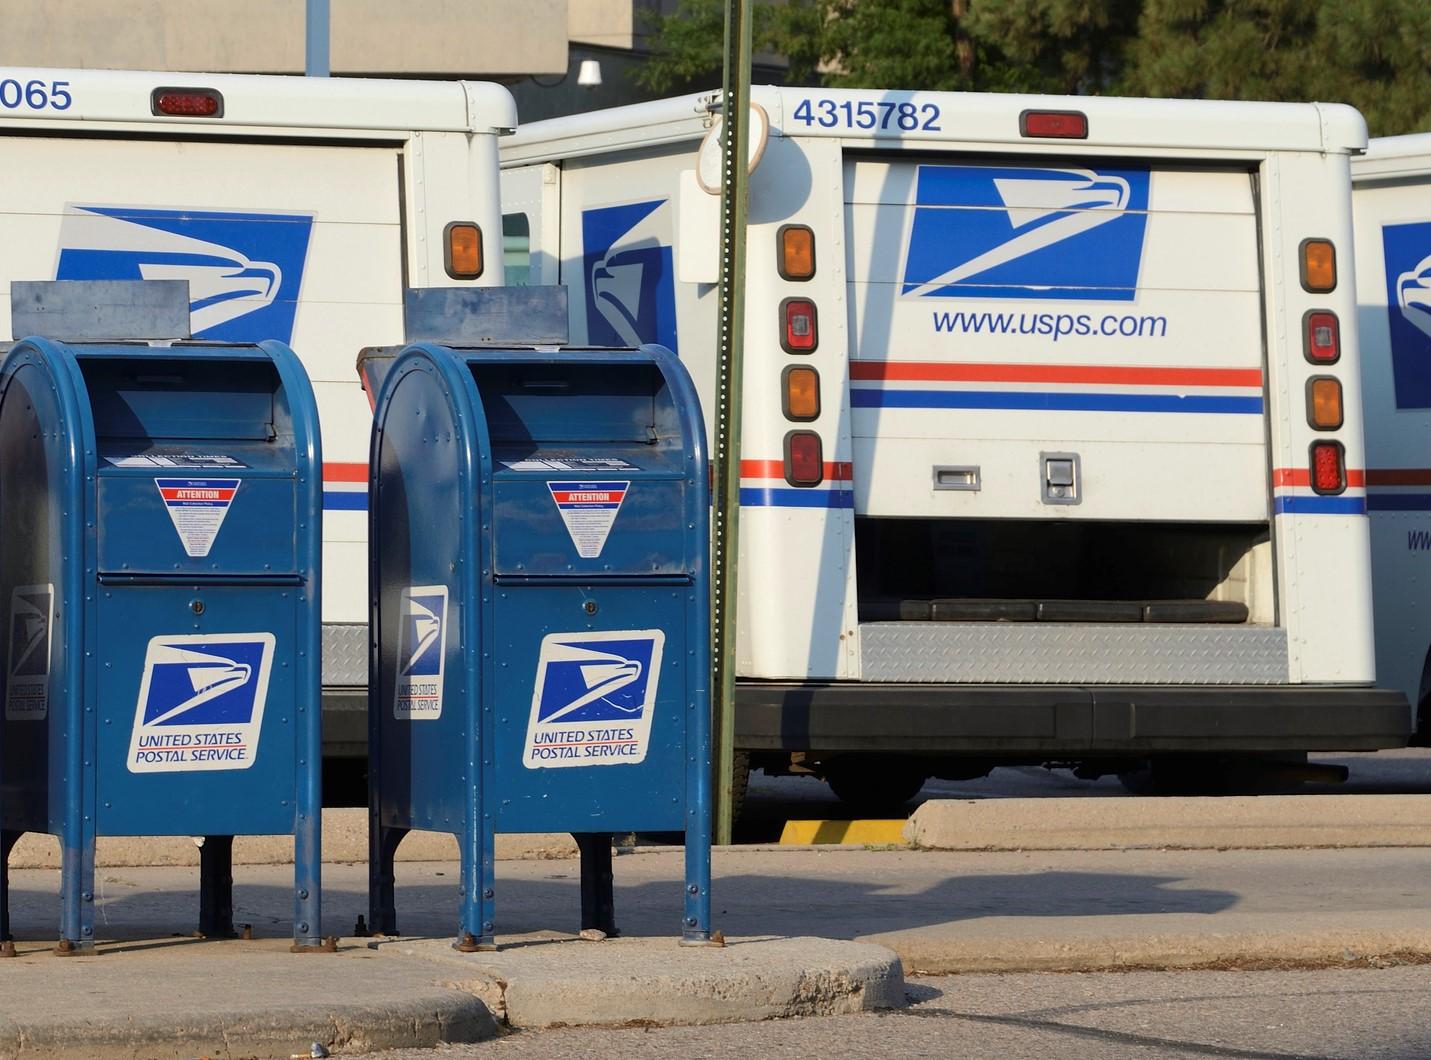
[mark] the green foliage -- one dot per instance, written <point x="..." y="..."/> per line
<point x="891" y="42"/>
<point x="1374" y="54"/>
<point x="690" y="42"/>
<point x="1067" y="46"/>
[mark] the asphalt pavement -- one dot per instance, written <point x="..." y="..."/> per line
<point x="1361" y="1014"/>
<point x="774" y="800"/>
<point x="1328" y="948"/>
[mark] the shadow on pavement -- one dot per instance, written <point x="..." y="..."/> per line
<point x="545" y="896"/>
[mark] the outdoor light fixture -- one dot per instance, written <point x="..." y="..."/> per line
<point x="589" y="76"/>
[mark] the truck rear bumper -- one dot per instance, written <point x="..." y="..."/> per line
<point x="1058" y="721"/>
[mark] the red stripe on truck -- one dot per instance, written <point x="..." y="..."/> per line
<point x="1055" y="373"/>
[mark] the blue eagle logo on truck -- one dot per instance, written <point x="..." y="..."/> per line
<point x="1406" y="250"/>
<point x="244" y="269"/>
<point x="628" y="269"/>
<point x="1024" y="232"/>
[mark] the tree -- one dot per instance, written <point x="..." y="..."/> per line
<point x="1074" y="47"/>
<point x="1009" y="45"/>
<point x="689" y="43"/>
<point x="1373" y="54"/>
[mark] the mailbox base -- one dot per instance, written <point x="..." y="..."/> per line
<point x="382" y="899"/>
<point x="8" y="840"/>
<point x="598" y="903"/>
<point x="216" y="887"/>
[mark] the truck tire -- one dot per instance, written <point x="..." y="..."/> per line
<point x="875" y="785"/>
<point x="739" y="785"/>
<point x="1268" y="774"/>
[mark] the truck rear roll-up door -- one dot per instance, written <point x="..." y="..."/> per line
<point x="1005" y="311"/>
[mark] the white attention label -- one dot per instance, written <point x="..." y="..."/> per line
<point x="197" y="507"/>
<point x="588" y="509"/>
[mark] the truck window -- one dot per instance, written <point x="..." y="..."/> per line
<point x="517" y="249"/>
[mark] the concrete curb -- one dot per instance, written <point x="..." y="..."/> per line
<point x="345" y="839"/>
<point x="881" y="833"/>
<point x="1265" y="822"/>
<point x="551" y="980"/>
<point x="410" y="1022"/>
<point x="1160" y="950"/>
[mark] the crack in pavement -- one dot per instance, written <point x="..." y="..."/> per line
<point x="1123" y="1037"/>
<point x="1133" y="1002"/>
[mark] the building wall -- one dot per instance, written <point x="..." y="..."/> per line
<point x="603" y="23"/>
<point x="411" y="38"/>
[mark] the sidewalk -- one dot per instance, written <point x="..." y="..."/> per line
<point x="152" y="994"/>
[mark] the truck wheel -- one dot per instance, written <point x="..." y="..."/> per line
<point x="1421" y="734"/>
<point x="1269" y="774"/>
<point x="875" y="785"/>
<point x="739" y="785"/>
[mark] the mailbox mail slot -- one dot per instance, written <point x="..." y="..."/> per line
<point x="159" y="526"/>
<point x="538" y="536"/>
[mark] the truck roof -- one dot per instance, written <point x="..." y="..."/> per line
<point x="983" y="118"/>
<point x="1394" y="156"/>
<point x="251" y="101"/>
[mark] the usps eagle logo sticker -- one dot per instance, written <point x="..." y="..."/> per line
<point x="588" y="509"/>
<point x="594" y="697"/>
<point x="421" y="653"/>
<point x="201" y="702"/>
<point x="991" y="231"/>
<point x="197" y="507"/>
<point x="32" y="613"/>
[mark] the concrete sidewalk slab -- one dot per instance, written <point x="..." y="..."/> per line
<point x="188" y="998"/>
<point x="1261" y="822"/>
<point x="345" y="840"/>
<point x="549" y="980"/>
<point x="149" y="992"/>
<point x="941" y="912"/>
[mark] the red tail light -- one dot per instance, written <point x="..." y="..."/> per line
<point x="804" y="459"/>
<point x="1321" y="337"/>
<point x="1329" y="473"/>
<point x="798" y="333"/>
<point x="1063" y="124"/>
<point x="187" y="103"/>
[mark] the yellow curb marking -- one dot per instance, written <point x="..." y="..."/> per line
<point x="844" y="833"/>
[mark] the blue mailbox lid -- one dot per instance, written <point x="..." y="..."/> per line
<point x="589" y="464"/>
<point x="196" y="461"/>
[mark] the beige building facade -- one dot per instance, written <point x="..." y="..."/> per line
<point x="410" y="38"/>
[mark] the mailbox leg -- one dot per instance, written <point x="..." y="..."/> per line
<point x="216" y="887"/>
<point x="76" y="896"/>
<point x="598" y="902"/>
<point x="382" y="900"/>
<point x="696" y="925"/>
<point x="7" y="844"/>
<point x="308" y="876"/>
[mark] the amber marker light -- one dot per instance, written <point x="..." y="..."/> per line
<point x="462" y="250"/>
<point x="1324" y="402"/>
<point x="1319" y="265"/>
<point x="797" y="253"/>
<point x="802" y="393"/>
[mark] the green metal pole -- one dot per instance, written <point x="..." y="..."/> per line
<point x="730" y="347"/>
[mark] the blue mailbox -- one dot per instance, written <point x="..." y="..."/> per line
<point x="160" y="518"/>
<point x="540" y="613"/>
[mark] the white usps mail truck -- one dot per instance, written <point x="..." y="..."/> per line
<point x="297" y="209"/>
<point x="1052" y="439"/>
<point x="1392" y="206"/>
